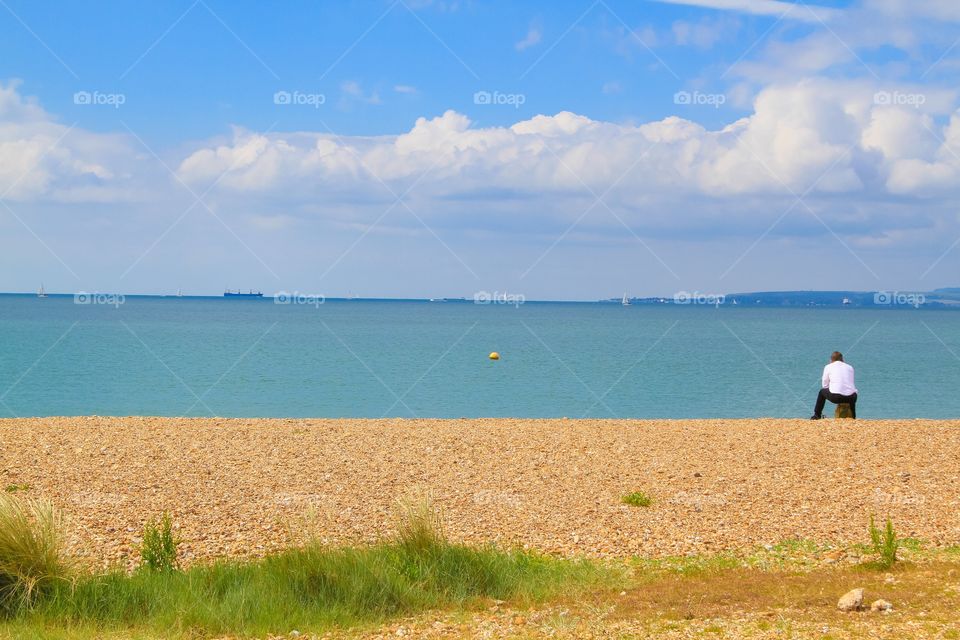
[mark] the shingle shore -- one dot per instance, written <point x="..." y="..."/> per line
<point x="237" y="487"/>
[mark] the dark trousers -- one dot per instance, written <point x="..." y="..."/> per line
<point x="835" y="398"/>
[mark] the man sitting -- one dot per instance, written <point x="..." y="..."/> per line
<point x="838" y="386"/>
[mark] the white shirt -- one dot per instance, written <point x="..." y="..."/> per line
<point x="838" y="377"/>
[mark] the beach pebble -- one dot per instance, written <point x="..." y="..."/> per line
<point x="881" y="605"/>
<point x="851" y="600"/>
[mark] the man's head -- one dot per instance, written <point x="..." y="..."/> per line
<point x="836" y="356"/>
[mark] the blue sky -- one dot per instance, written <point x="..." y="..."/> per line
<point x="568" y="150"/>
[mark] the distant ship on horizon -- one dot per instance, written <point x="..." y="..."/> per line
<point x="239" y="294"/>
<point x="42" y="293"/>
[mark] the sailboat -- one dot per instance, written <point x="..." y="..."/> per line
<point x="625" y="302"/>
<point x="179" y="293"/>
<point x="41" y="293"/>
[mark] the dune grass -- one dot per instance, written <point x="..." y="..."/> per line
<point x="310" y="588"/>
<point x="31" y="559"/>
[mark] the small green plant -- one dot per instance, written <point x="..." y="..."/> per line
<point x="637" y="499"/>
<point x="158" y="551"/>
<point x="13" y="488"/>
<point x="884" y="543"/>
<point x="31" y="551"/>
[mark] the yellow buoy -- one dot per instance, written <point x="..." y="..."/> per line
<point x="494" y="356"/>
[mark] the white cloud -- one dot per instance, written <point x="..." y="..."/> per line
<point x="405" y="88"/>
<point x="826" y="136"/>
<point x="611" y="88"/>
<point x="43" y="159"/>
<point x="532" y="38"/>
<point x="703" y="34"/>
<point x="352" y="91"/>
<point x="775" y="8"/>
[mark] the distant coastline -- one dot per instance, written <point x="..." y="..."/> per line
<point x="941" y="298"/>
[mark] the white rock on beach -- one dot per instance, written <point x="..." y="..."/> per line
<point x="881" y="605"/>
<point x="851" y="600"/>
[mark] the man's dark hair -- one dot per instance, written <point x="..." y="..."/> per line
<point x="836" y="356"/>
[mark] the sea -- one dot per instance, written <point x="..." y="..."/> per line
<point x="314" y="357"/>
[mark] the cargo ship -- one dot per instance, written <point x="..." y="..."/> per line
<point x="239" y="294"/>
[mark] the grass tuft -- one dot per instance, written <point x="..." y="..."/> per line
<point x="419" y="523"/>
<point x="637" y="499"/>
<point x="884" y="543"/>
<point x="158" y="551"/>
<point x="31" y="552"/>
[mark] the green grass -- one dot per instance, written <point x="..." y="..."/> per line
<point x="310" y="588"/>
<point x="637" y="499"/>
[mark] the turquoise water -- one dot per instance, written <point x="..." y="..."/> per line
<point x="210" y="356"/>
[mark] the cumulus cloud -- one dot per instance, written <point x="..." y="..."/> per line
<point x="41" y="158"/>
<point x="796" y="133"/>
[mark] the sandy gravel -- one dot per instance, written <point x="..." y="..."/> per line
<point x="235" y="487"/>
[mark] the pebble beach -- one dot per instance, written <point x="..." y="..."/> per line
<point x="245" y="487"/>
